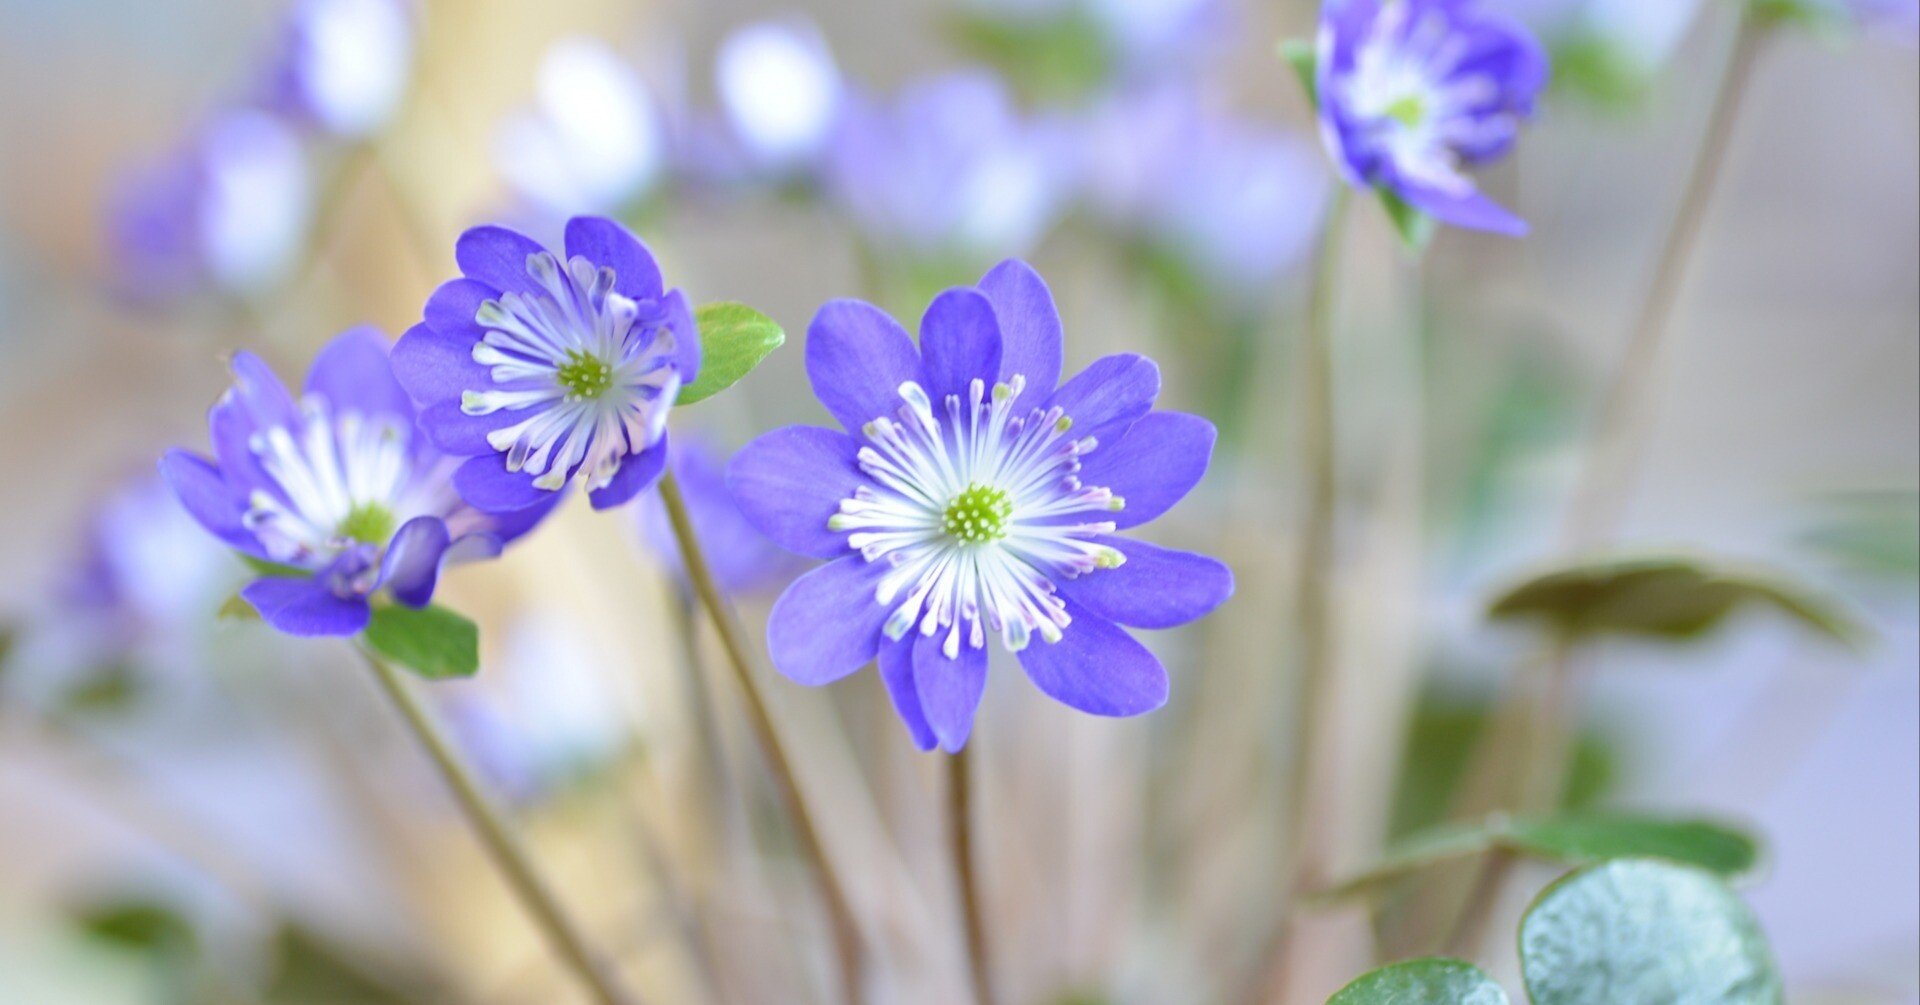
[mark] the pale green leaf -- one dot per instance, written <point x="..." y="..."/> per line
<point x="734" y="338"/>
<point x="1430" y="981"/>
<point x="430" y="641"/>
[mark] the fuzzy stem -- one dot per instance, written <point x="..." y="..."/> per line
<point x="1543" y="747"/>
<point x="846" y="931"/>
<point x="960" y="784"/>
<point x="501" y="843"/>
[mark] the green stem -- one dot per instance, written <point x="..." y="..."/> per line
<point x="1314" y="614"/>
<point x="846" y="931"/>
<point x="515" y="865"/>
<point x="960" y="784"/>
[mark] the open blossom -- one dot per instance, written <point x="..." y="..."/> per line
<point x="972" y="503"/>
<point x="542" y="369"/>
<point x="782" y="95"/>
<point x="1411" y="92"/>
<point x="339" y="486"/>
<point x="228" y="212"/>
<point x="343" y="65"/>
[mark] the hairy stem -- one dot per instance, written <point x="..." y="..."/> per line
<point x="502" y="844"/>
<point x="846" y="931"/>
<point x="960" y="784"/>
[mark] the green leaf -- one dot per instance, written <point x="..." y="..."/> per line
<point x="1571" y="839"/>
<point x="309" y="971"/>
<point x="1049" y="60"/>
<point x="1305" y="60"/>
<point x="236" y="608"/>
<point x="1672" y="598"/>
<point x="734" y="338"/>
<point x="1430" y="981"/>
<point x="137" y="924"/>
<point x="1645" y="932"/>
<point x="430" y="641"/>
<point x="1416" y="229"/>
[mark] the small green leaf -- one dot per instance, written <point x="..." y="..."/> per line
<point x="1645" y="932"/>
<point x="430" y="641"/>
<point x="1300" y="54"/>
<point x="1416" y="229"/>
<point x="734" y="338"/>
<point x="1573" y="839"/>
<point x="1664" y="597"/>
<point x="1431" y="981"/>
<point x="236" y="608"/>
<point x="1579" y="839"/>
<point x="307" y="970"/>
<point x="137" y="924"/>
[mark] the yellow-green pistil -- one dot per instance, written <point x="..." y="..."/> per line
<point x="979" y="514"/>
<point x="367" y="523"/>
<point x="584" y="376"/>
<point x="1409" y="111"/>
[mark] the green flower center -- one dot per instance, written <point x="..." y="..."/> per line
<point x="978" y="514"/>
<point x="368" y="523"/>
<point x="1409" y="111"/>
<point x="585" y="376"/>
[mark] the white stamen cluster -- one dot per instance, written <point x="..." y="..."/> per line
<point x="589" y="366"/>
<point x="976" y="515"/>
<point x="1405" y="90"/>
<point x="345" y="479"/>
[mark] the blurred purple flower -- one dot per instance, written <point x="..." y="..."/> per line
<point x="742" y="558"/>
<point x="1411" y="91"/>
<point x="1896" y="19"/>
<point x="538" y="369"/>
<point x="949" y="166"/>
<point x="782" y="96"/>
<point x="595" y="140"/>
<point x="1239" y="201"/>
<point x="228" y="211"/>
<point x="339" y="486"/>
<point x="342" y="66"/>
<point x="956" y="505"/>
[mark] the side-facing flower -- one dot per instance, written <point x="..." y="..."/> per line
<point x="342" y="65"/>
<point x="540" y="369"/>
<point x="971" y="499"/>
<point x="340" y="487"/>
<point x="1413" y="91"/>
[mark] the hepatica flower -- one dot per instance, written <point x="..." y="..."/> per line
<point x="338" y="486"/>
<point x="782" y="95"/>
<point x="595" y="140"/>
<point x="542" y="369"/>
<point x="742" y="559"/>
<point x="343" y="65"/>
<point x="1412" y="92"/>
<point x="972" y="504"/>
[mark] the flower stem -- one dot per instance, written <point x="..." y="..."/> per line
<point x="1313" y="596"/>
<point x="846" y="931"/>
<point x="501" y="843"/>
<point x="960" y="784"/>
<point x="1620" y="432"/>
<point x="1543" y="745"/>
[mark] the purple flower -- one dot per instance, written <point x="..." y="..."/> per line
<point x="342" y="65"/>
<point x="949" y="167"/>
<point x="782" y="95"/>
<point x="339" y="486"/>
<point x="228" y="211"/>
<point x="540" y="370"/>
<point x="1410" y="92"/>
<point x="971" y="498"/>
<point x="1896" y="19"/>
<point x="595" y="139"/>
<point x="742" y="558"/>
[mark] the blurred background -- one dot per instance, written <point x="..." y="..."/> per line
<point x="195" y="810"/>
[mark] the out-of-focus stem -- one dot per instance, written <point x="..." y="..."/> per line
<point x="515" y="865"/>
<point x="1542" y="748"/>
<point x="1620" y="431"/>
<point x="1313" y="591"/>
<point x="960" y="784"/>
<point x="846" y="931"/>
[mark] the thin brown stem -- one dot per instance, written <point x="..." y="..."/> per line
<point x="1626" y="410"/>
<point x="502" y="844"/>
<point x="846" y="931"/>
<point x="1544" y="747"/>
<point x="960" y="783"/>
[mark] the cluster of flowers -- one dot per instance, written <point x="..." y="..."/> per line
<point x="229" y="209"/>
